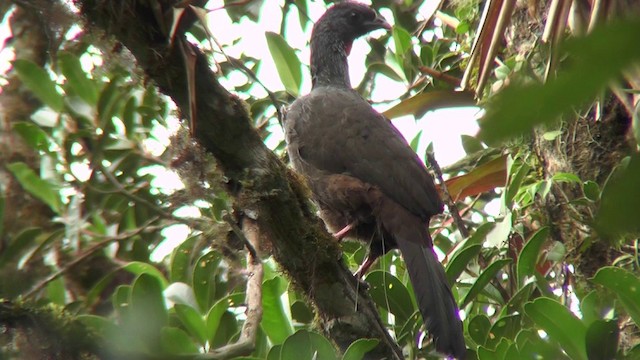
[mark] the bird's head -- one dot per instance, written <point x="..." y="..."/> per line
<point x="348" y="21"/>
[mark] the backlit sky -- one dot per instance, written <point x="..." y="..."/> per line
<point x="442" y="128"/>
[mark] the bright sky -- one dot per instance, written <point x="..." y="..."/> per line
<point x="442" y="128"/>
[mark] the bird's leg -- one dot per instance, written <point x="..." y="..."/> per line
<point x="362" y="270"/>
<point x="343" y="232"/>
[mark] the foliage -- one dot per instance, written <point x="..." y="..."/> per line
<point x="102" y="159"/>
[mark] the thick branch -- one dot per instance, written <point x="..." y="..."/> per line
<point x="262" y="187"/>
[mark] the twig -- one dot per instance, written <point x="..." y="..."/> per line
<point x="240" y="234"/>
<point x="240" y="65"/>
<point x="247" y="341"/>
<point x="447" y="19"/>
<point x="440" y="75"/>
<point x="252" y="75"/>
<point x="453" y="209"/>
<point x="92" y="250"/>
<point x="112" y="179"/>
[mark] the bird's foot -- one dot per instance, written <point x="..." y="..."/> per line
<point x="361" y="283"/>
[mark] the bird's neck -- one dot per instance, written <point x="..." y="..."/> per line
<point x="329" y="62"/>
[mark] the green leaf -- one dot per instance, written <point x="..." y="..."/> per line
<point x="148" y="313"/>
<point x="227" y="330"/>
<point x="386" y="70"/>
<point x="181" y="261"/>
<point x="204" y="279"/>
<point x="121" y="299"/>
<point x="41" y="189"/>
<point x="139" y="268"/>
<point x="506" y="327"/>
<point x="519" y="299"/>
<point x="459" y="262"/>
<point x="556" y="252"/>
<point x="301" y="313"/>
<point x="479" y="328"/>
<point x="401" y="40"/>
<point x="533" y="347"/>
<point x="626" y="287"/>
<point x="305" y="345"/>
<point x="130" y="116"/>
<point x="40" y="83"/>
<point x="551" y="135"/>
<point x="275" y="353"/>
<point x="287" y="63"/>
<point x="358" y="349"/>
<point x="78" y="80"/>
<point x="529" y="255"/>
<point x="621" y="201"/>
<point x="33" y="135"/>
<point x="420" y="104"/>
<point x="461" y="258"/>
<point x="214" y="317"/>
<point x="591" y="190"/>
<point x="501" y="231"/>
<point x="275" y="321"/>
<point x="560" y="324"/>
<point x="517" y="172"/>
<point x="193" y="322"/>
<point x="415" y="142"/>
<point x="602" y="340"/>
<point x="499" y="353"/>
<point x="25" y="239"/>
<point x="484" y="279"/>
<point x="533" y="104"/>
<point x="390" y="293"/>
<point x="566" y="177"/>
<point x="471" y="144"/>
<point x="303" y="11"/>
<point x="56" y="292"/>
<point x="463" y="27"/>
<point x="176" y="341"/>
<point x="480" y="235"/>
<point x="96" y="291"/>
<point x="109" y="102"/>
<point x="594" y="305"/>
<point x="237" y="10"/>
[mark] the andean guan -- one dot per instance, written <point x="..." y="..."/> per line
<point x="365" y="179"/>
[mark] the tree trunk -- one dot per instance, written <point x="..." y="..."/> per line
<point x="591" y="144"/>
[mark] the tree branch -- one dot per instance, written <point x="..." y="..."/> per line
<point x="247" y="341"/>
<point x="260" y="184"/>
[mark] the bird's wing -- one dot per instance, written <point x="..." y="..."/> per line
<point x="338" y="132"/>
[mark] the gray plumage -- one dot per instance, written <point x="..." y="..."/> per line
<point x="362" y="172"/>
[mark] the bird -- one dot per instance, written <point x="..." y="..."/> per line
<point x="365" y="179"/>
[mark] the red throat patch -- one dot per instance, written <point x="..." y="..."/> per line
<point x="347" y="48"/>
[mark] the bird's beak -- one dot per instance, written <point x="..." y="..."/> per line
<point x="378" y="23"/>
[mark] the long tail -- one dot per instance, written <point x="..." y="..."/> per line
<point x="434" y="297"/>
<point x="432" y="291"/>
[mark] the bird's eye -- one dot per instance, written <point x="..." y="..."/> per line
<point x="355" y="16"/>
